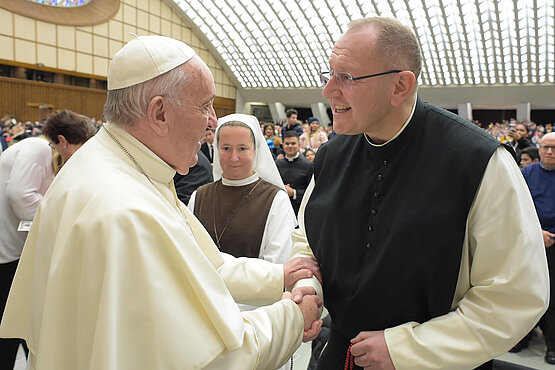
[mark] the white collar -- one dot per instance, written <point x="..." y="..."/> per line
<point x="398" y="132"/>
<point x="242" y="182"/>
<point x="291" y="159"/>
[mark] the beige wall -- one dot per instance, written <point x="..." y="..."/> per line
<point x="89" y="49"/>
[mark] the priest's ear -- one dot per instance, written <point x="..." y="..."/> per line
<point x="405" y="83"/>
<point x="157" y="115"/>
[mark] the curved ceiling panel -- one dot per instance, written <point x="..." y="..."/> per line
<point x="286" y="43"/>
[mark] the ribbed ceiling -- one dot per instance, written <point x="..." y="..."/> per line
<point x="284" y="44"/>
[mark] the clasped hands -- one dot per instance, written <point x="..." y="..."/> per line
<point x="304" y="297"/>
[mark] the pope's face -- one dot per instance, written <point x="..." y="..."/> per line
<point x="188" y="121"/>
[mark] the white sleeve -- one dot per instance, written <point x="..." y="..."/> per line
<point x="272" y="334"/>
<point x="191" y="204"/>
<point x="26" y="179"/>
<point x="276" y="241"/>
<point x="252" y="281"/>
<point x="503" y="286"/>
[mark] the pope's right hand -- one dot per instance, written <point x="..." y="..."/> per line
<point x="310" y="308"/>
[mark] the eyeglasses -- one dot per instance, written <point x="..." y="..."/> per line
<point x="50" y="144"/>
<point x="547" y="147"/>
<point x="345" y="79"/>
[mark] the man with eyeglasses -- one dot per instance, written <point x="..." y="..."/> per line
<point x="428" y="242"/>
<point x="540" y="178"/>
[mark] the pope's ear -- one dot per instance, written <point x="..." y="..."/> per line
<point x="404" y="86"/>
<point x="156" y="114"/>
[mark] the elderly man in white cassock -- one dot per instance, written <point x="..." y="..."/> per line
<point x="117" y="273"/>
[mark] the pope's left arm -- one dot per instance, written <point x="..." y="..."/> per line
<point x="503" y="286"/>
<point x="252" y="281"/>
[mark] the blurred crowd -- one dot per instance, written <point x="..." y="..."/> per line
<point x="12" y="130"/>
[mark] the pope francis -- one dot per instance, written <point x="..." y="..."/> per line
<point x="116" y="273"/>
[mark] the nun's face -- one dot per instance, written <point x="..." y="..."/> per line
<point x="237" y="153"/>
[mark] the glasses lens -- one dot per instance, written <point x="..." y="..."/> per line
<point x="324" y="78"/>
<point x="344" y="80"/>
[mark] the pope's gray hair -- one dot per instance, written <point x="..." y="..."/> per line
<point x="125" y="106"/>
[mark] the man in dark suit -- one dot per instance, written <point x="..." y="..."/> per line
<point x="207" y="148"/>
<point x="199" y="174"/>
<point x="295" y="170"/>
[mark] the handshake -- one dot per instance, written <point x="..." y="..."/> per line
<point x="305" y="297"/>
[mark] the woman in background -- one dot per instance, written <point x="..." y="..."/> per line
<point x="314" y="136"/>
<point x="67" y="131"/>
<point x="309" y="154"/>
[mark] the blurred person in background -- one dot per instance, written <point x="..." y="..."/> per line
<point x="67" y="132"/>
<point x="540" y="178"/>
<point x="295" y="170"/>
<point x="26" y="172"/>
<point x="291" y="123"/>
<point x="207" y="147"/>
<point x="310" y="155"/>
<point x="314" y="135"/>
<point x="528" y="156"/>
<point x="519" y="134"/>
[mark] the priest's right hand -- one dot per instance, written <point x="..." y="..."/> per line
<point x="300" y="268"/>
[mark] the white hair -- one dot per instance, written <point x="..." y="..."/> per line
<point x="125" y="106"/>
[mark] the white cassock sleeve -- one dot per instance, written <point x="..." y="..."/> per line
<point x="503" y="286"/>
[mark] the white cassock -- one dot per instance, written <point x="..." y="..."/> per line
<point x="116" y="273"/>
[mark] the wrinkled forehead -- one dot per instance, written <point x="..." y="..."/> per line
<point x="199" y="71"/>
<point x="354" y="50"/>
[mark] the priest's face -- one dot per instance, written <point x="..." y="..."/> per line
<point x="188" y="121"/>
<point x="237" y="152"/>
<point x="291" y="146"/>
<point x="361" y="105"/>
